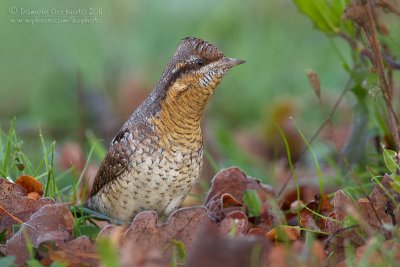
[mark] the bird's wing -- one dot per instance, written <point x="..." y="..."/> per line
<point x="116" y="161"/>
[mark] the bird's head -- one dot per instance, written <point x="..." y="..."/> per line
<point x="191" y="77"/>
<point x="198" y="65"/>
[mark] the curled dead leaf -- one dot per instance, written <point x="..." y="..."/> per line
<point x="227" y="191"/>
<point x="30" y="184"/>
<point x="33" y="195"/>
<point x="281" y="233"/>
<point x="229" y="181"/>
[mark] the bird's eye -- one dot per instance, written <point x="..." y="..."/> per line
<point x="199" y="62"/>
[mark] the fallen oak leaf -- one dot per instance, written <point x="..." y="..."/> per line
<point x="182" y="226"/>
<point x="211" y="248"/>
<point x="144" y="232"/>
<point x="230" y="181"/>
<point x="49" y="223"/>
<point x="113" y="232"/>
<point x="234" y="183"/>
<point x="16" y="207"/>
<point x="137" y="256"/>
<point x="146" y="240"/>
<point x="77" y="252"/>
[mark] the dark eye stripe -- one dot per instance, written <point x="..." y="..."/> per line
<point x="193" y="65"/>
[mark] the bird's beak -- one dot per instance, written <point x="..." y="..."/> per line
<point x="227" y="62"/>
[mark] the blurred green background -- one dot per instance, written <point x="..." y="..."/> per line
<point x="68" y="78"/>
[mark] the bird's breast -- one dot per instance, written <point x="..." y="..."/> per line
<point x="158" y="179"/>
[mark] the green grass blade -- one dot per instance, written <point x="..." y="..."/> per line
<point x="295" y="177"/>
<point x="318" y="167"/>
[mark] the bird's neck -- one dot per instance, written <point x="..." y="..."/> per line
<point x="180" y="115"/>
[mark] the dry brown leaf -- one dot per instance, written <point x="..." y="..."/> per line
<point x="30" y="184"/>
<point x="219" y="208"/>
<point x="229" y="181"/>
<point x="314" y="81"/>
<point x="371" y="214"/>
<point x="309" y="217"/>
<point x="355" y="13"/>
<point x="33" y="195"/>
<point x="235" y="222"/>
<point x="49" y="223"/>
<point x="133" y="255"/>
<point x="383" y="202"/>
<point x="375" y="257"/>
<point x="281" y="233"/>
<point x="298" y="254"/>
<point x="227" y="191"/>
<point x="144" y="232"/>
<point x="183" y="225"/>
<point x="76" y="252"/>
<point x="307" y="194"/>
<point x="268" y="216"/>
<point x="15" y="206"/>
<point x="336" y="244"/>
<point x="278" y="257"/>
<point x="341" y="202"/>
<point x="257" y="231"/>
<point x="145" y="243"/>
<point x="214" y="249"/>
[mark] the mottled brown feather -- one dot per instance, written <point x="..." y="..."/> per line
<point x="118" y="157"/>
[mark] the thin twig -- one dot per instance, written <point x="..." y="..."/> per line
<point x="394" y="124"/>
<point x="11" y="215"/>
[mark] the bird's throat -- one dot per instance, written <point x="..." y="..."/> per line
<point x="180" y="115"/>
